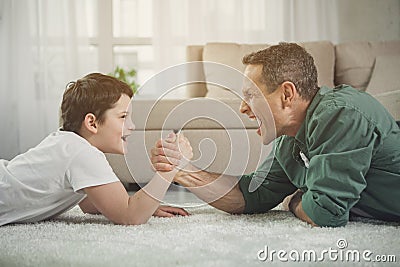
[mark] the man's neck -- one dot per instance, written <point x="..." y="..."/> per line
<point x="297" y="118"/>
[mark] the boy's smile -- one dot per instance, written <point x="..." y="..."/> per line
<point x="112" y="134"/>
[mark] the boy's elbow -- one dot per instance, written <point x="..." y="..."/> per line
<point x="135" y="222"/>
<point x="91" y="212"/>
<point x="130" y="221"/>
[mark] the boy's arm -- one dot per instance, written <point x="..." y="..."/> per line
<point x="87" y="206"/>
<point x="113" y="201"/>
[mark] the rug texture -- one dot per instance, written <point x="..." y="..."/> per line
<point x="206" y="238"/>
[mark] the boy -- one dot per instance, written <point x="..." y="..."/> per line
<point x="68" y="167"/>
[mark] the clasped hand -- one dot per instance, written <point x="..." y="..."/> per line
<point x="172" y="152"/>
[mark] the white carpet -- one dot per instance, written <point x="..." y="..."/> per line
<point x="206" y="238"/>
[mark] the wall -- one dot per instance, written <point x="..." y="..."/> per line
<point x="368" y="20"/>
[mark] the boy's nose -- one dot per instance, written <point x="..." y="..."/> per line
<point x="130" y="125"/>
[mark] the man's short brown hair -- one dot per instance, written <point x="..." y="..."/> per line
<point x="95" y="93"/>
<point x="286" y="62"/>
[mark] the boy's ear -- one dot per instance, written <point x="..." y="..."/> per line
<point x="90" y="123"/>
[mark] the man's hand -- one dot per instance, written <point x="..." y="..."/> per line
<point x="220" y="191"/>
<point x="293" y="203"/>
<point x="296" y="196"/>
<point x="167" y="211"/>
<point x="174" y="151"/>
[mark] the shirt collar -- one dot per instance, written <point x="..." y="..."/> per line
<point x="300" y="138"/>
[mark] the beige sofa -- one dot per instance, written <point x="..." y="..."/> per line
<point x="368" y="66"/>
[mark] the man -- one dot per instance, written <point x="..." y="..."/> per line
<point x="339" y="148"/>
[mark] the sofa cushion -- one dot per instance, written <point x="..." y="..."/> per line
<point x="391" y="101"/>
<point x="385" y="84"/>
<point x="355" y="61"/>
<point x="196" y="113"/>
<point x="231" y="54"/>
<point x="198" y="89"/>
<point x="385" y="75"/>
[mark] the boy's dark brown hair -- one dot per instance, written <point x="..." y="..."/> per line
<point x="95" y="93"/>
<point x="286" y="62"/>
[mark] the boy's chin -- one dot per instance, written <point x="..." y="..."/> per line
<point x="121" y="151"/>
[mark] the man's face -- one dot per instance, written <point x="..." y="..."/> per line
<point x="117" y="126"/>
<point x="260" y="105"/>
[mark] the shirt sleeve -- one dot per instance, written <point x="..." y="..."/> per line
<point x="88" y="168"/>
<point x="274" y="186"/>
<point x="341" y="142"/>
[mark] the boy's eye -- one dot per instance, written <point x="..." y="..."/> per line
<point x="123" y="116"/>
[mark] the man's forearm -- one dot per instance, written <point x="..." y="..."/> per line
<point x="220" y="191"/>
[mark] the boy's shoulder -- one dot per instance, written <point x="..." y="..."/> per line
<point x="66" y="142"/>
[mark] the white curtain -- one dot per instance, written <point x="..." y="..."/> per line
<point x="42" y="47"/>
<point x="178" y="23"/>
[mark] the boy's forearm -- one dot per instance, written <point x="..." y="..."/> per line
<point x="145" y="202"/>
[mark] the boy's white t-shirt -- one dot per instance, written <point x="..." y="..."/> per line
<point x="47" y="180"/>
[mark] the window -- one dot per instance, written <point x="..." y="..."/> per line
<point x="122" y="34"/>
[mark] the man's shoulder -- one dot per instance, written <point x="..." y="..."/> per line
<point x="345" y="96"/>
<point x="345" y="100"/>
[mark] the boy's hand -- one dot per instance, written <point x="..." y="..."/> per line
<point x="185" y="148"/>
<point x="165" y="156"/>
<point x="167" y="211"/>
<point x="171" y="152"/>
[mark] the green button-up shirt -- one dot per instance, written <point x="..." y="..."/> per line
<point x="350" y="148"/>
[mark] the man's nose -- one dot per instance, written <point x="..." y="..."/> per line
<point x="244" y="108"/>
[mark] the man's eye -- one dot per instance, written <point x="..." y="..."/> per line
<point x="123" y="116"/>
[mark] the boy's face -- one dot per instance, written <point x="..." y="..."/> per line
<point x="117" y="126"/>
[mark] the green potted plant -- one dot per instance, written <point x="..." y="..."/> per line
<point x="127" y="76"/>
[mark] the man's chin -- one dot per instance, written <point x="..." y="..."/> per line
<point x="266" y="140"/>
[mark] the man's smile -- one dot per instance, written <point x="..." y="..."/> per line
<point x="259" y="122"/>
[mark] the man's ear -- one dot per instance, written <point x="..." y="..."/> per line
<point x="289" y="92"/>
<point x="90" y="123"/>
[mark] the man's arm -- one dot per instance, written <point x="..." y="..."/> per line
<point x="220" y="191"/>
<point x="226" y="192"/>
